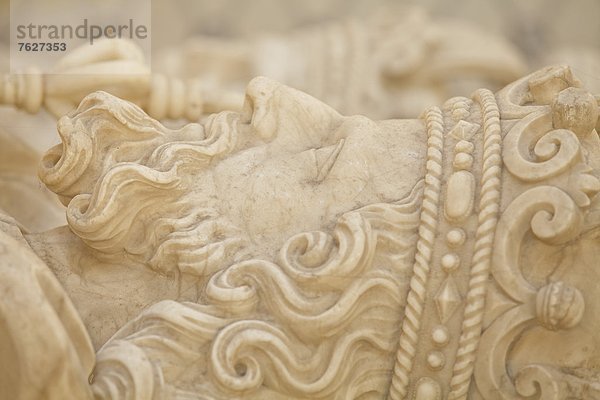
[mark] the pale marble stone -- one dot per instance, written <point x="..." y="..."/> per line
<point x="288" y="251"/>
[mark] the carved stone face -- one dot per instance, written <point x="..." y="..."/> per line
<point x="289" y="163"/>
<point x="435" y="257"/>
<point x="246" y="197"/>
<point x="311" y="165"/>
<point x="237" y="186"/>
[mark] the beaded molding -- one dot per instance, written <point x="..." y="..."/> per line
<point x="434" y="275"/>
<point x="489" y="206"/>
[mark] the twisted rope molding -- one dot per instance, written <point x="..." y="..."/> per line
<point x="427" y="230"/>
<point x="489" y="206"/>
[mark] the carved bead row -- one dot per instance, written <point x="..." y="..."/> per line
<point x="436" y="345"/>
<point x="458" y="205"/>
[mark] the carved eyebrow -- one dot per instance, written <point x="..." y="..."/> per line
<point x="325" y="158"/>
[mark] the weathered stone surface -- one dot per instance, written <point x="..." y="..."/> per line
<point x="288" y="251"/>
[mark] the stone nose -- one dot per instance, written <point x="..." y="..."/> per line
<point x="257" y="110"/>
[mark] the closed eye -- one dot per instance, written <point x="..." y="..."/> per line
<point x="325" y="158"/>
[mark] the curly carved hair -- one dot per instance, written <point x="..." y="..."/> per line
<point x="112" y="152"/>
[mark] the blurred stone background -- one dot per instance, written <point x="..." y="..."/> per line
<point x="537" y="27"/>
<point x="544" y="31"/>
<point x="528" y="23"/>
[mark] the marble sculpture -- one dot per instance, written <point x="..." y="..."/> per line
<point x="290" y="252"/>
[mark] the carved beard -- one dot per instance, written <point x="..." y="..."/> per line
<point x="320" y="322"/>
<point x="112" y="147"/>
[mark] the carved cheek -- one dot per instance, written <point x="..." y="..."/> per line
<point x="280" y="199"/>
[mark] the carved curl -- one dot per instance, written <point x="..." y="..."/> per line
<point x="112" y="153"/>
<point x="553" y="217"/>
<point x="321" y="339"/>
<point x="535" y="151"/>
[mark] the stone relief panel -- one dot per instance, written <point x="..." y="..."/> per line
<point x="288" y="251"/>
